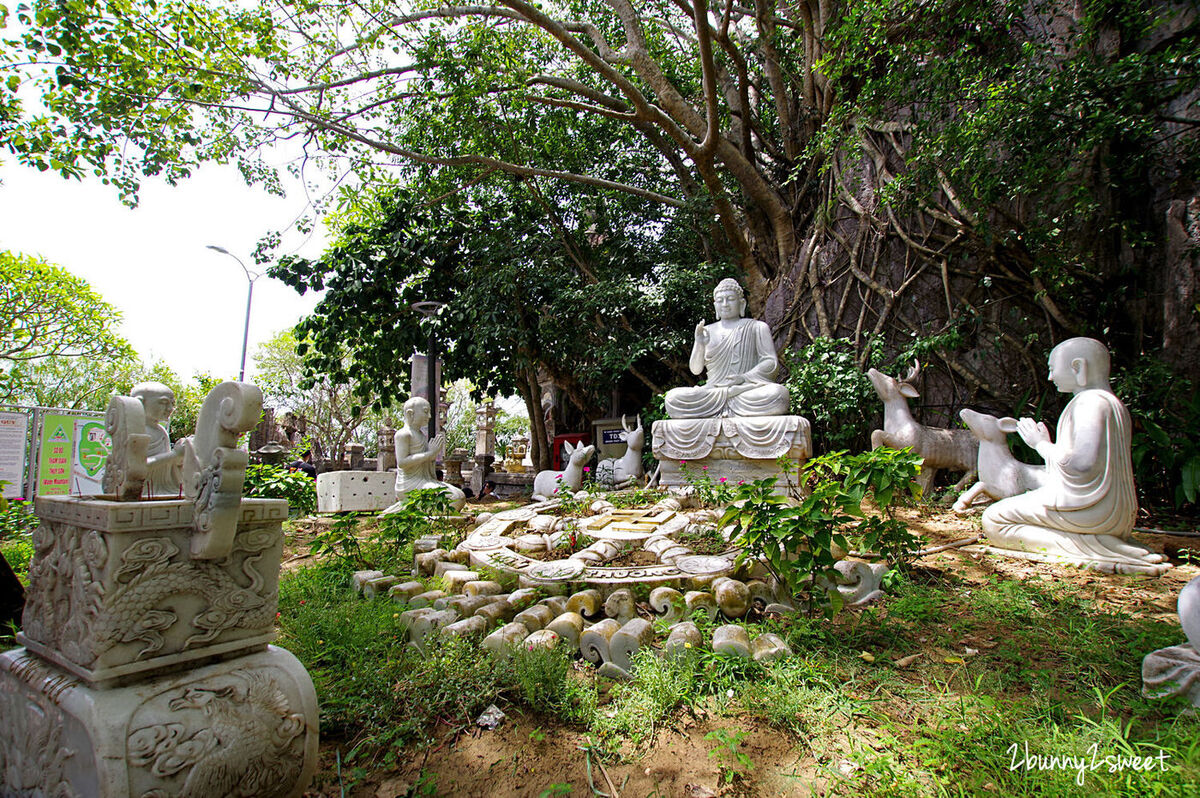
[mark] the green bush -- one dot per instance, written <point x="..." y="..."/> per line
<point x="276" y="482"/>
<point x="829" y="388"/>
<point x="798" y="542"/>
<point x="1166" y="431"/>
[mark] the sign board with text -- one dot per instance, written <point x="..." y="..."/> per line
<point x="14" y="427"/>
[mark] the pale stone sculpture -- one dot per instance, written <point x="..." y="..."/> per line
<point x="550" y="484"/>
<point x="214" y="469"/>
<point x="622" y="472"/>
<point x="416" y="457"/>
<point x="1176" y="670"/>
<point x="1000" y="473"/>
<point x="125" y="469"/>
<point x="736" y="426"/>
<point x="163" y="462"/>
<point x="739" y="358"/>
<point x="1085" y="512"/>
<point x="145" y="668"/>
<point x="955" y="449"/>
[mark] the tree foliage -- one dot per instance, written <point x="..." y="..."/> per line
<point x="49" y="314"/>
<point x="992" y="174"/>
<point x="334" y="415"/>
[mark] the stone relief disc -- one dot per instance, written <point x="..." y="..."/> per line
<point x="703" y="565"/>
<point x="556" y="570"/>
<point x="485" y="542"/>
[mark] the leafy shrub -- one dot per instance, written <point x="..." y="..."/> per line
<point x="708" y="493"/>
<point x="1166" y="431"/>
<point x="827" y="386"/>
<point x="276" y="482"/>
<point x="16" y="519"/>
<point x="387" y="546"/>
<point x="798" y="543"/>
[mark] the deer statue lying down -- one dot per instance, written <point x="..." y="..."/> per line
<point x="954" y="449"/>
<point x="622" y="472"/>
<point x="1000" y="473"/>
<point x="551" y="484"/>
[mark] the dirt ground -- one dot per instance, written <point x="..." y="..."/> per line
<point x="530" y="756"/>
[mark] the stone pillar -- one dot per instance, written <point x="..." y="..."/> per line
<point x="453" y="467"/>
<point x="147" y="671"/>
<point x="354" y="455"/>
<point x="387" y="449"/>
<point x="485" y="445"/>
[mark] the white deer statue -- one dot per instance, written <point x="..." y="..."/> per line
<point x="955" y="449"/>
<point x="622" y="472"/>
<point x="552" y="484"/>
<point x="1000" y="473"/>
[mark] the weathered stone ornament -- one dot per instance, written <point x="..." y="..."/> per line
<point x="1175" y="671"/>
<point x="625" y="471"/>
<point x="105" y="698"/>
<point x="214" y="469"/>
<point x="551" y="484"/>
<point x="125" y="470"/>
<point x="736" y="425"/>
<point x="955" y="449"/>
<point x="1084" y="514"/>
<point x="1000" y="473"/>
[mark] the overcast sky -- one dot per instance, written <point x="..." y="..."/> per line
<point x="181" y="302"/>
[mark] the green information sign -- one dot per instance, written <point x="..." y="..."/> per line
<point x="56" y="451"/>
<point x="72" y="452"/>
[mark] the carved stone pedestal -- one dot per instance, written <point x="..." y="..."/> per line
<point x="146" y="670"/>
<point x="734" y="448"/>
<point x="114" y="592"/>
<point x="245" y="726"/>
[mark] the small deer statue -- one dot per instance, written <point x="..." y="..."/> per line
<point x="1000" y="473"/>
<point x="551" y="484"/>
<point x="616" y="473"/>
<point x="955" y="449"/>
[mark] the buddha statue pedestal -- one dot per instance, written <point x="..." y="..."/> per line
<point x="733" y="448"/>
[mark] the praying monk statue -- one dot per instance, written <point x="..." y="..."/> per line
<point x="739" y="358"/>
<point x="1085" y="512"/>
<point x="416" y="457"/>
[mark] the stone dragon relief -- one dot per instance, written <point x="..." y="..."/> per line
<point x="73" y="611"/>
<point x="214" y="469"/>
<point x="235" y="734"/>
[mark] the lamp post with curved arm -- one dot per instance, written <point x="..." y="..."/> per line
<point x="250" y="278"/>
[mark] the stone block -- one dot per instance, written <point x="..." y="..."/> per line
<point x="445" y="566"/>
<point x="244" y="726"/>
<point x="404" y="592"/>
<point x="378" y="586"/>
<point x="456" y="580"/>
<point x="355" y="491"/>
<point x="115" y="593"/>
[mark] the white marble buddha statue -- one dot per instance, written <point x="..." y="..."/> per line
<point x="738" y="356"/>
<point x="1085" y="512"/>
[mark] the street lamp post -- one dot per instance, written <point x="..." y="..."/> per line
<point x="429" y="310"/>
<point x="250" y="278"/>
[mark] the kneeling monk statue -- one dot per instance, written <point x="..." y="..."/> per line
<point x="1085" y="512"/>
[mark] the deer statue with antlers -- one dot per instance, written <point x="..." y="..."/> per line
<point x="955" y="449"/>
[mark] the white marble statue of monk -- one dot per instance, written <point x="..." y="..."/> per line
<point x="1085" y="512"/>
<point x="739" y="358"/>
<point x="416" y="457"/>
<point x="164" y="464"/>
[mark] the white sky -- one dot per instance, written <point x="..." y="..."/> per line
<point x="180" y="302"/>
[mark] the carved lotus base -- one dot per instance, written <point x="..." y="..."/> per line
<point x="735" y="449"/>
<point x="246" y="726"/>
<point x="115" y="594"/>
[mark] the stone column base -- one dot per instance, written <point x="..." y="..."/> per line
<point x="246" y="726"/>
